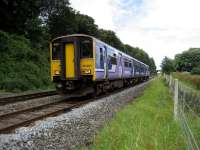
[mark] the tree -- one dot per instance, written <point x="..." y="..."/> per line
<point x="187" y="60"/>
<point x="111" y="38"/>
<point x="62" y="22"/>
<point x="86" y="25"/>
<point x="152" y="66"/>
<point x="196" y="70"/>
<point x="50" y="7"/>
<point x="15" y="14"/>
<point x="167" y="65"/>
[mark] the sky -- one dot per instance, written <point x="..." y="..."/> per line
<point x="160" y="27"/>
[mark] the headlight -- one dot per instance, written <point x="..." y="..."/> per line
<point x="57" y="72"/>
<point x="87" y="71"/>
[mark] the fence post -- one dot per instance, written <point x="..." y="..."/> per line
<point x="170" y="81"/>
<point x="176" y="100"/>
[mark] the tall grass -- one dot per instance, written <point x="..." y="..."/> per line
<point x="147" y="123"/>
<point x="187" y="78"/>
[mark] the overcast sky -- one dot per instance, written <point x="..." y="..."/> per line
<point x="160" y="27"/>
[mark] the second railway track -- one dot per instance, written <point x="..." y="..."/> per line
<point x="25" y="97"/>
<point x="11" y="121"/>
<point x="22" y="112"/>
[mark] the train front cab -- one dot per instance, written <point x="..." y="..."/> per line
<point x="72" y="62"/>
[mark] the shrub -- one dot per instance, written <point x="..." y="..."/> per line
<point x="22" y="67"/>
<point x="189" y="79"/>
<point x="196" y="70"/>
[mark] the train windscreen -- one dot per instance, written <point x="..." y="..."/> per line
<point x="86" y="47"/>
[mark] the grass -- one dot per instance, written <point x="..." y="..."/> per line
<point x="145" y="124"/>
<point x="194" y="124"/>
<point x="188" y="79"/>
<point x="193" y="100"/>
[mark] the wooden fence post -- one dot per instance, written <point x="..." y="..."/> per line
<point x="170" y="82"/>
<point x="176" y="100"/>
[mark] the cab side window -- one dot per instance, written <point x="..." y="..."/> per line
<point x="56" y="51"/>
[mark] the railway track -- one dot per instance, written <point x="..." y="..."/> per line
<point x="25" y="97"/>
<point x="27" y="114"/>
<point x="25" y="117"/>
<point x="24" y="111"/>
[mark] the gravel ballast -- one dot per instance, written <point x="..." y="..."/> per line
<point x="70" y="130"/>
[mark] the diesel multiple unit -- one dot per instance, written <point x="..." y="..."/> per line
<point x="84" y="64"/>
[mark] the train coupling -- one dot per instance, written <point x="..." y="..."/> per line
<point x="70" y="85"/>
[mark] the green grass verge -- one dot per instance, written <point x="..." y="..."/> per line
<point x="188" y="79"/>
<point x="194" y="124"/>
<point x="147" y="123"/>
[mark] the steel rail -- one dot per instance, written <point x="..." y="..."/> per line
<point x="23" y="118"/>
<point x="23" y="97"/>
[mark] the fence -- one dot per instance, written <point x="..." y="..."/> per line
<point x="186" y="111"/>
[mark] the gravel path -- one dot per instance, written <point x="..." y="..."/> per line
<point x="70" y="130"/>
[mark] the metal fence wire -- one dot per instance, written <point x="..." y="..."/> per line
<point x="187" y="111"/>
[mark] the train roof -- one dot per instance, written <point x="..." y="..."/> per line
<point x="85" y="35"/>
<point x="124" y="54"/>
<point x="65" y="36"/>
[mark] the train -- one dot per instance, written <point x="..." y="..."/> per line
<point x="82" y="64"/>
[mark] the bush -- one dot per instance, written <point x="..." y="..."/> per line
<point x="196" y="70"/>
<point x="190" y="80"/>
<point x="22" y="67"/>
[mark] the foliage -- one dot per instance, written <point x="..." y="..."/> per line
<point x="62" y="22"/>
<point x="86" y="25"/>
<point x="167" y="65"/>
<point x="187" y="60"/>
<point x="15" y="14"/>
<point x="187" y="78"/>
<point x="195" y="70"/>
<point x="147" y="123"/>
<point x="22" y="67"/>
<point x="50" y="7"/>
<point x="152" y="66"/>
<point x="110" y="37"/>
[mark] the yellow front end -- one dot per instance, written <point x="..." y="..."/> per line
<point x="72" y="59"/>
<point x="87" y="67"/>
<point x="55" y="68"/>
<point x="55" y="65"/>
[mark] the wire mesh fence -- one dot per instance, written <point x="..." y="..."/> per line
<point x="186" y="110"/>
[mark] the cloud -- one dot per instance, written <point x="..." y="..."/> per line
<point x="160" y="27"/>
<point x="102" y="11"/>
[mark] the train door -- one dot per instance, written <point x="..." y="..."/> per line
<point x="120" y="65"/>
<point x="69" y="58"/>
<point x="105" y="62"/>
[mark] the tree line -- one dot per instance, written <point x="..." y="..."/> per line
<point x="188" y="61"/>
<point x="38" y="21"/>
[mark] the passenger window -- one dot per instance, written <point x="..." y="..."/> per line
<point x="101" y="58"/>
<point x="113" y="60"/>
<point x="130" y="65"/>
<point x="126" y="64"/>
